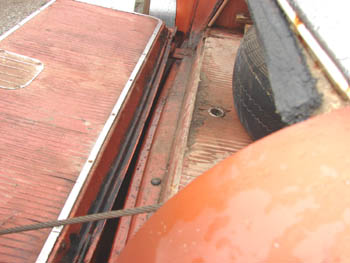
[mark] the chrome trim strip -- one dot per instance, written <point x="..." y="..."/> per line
<point x="68" y="206"/>
<point x="165" y="10"/>
<point x="9" y="32"/>
<point x="332" y="69"/>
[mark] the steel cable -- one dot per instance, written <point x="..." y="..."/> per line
<point x="83" y="219"/>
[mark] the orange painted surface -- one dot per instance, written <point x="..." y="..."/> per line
<point x="204" y="12"/>
<point x="184" y="14"/>
<point x="284" y="198"/>
<point x="49" y="128"/>
<point x="194" y="15"/>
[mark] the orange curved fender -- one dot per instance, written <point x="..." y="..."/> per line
<point x="285" y="198"/>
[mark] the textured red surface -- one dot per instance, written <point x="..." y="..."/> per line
<point x="212" y="139"/>
<point x="48" y="128"/>
<point x="153" y="155"/>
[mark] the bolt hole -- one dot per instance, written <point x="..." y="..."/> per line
<point x="216" y="112"/>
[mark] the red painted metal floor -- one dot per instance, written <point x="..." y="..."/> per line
<point x="49" y="128"/>
<point x="184" y="142"/>
<point x="216" y="132"/>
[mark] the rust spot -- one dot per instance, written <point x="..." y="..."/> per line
<point x="297" y="21"/>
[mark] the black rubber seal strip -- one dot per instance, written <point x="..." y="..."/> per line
<point x="294" y="89"/>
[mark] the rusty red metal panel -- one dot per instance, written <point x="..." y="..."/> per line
<point x="216" y="131"/>
<point x="135" y="188"/>
<point x="187" y="140"/>
<point x="153" y="155"/>
<point x="140" y="185"/>
<point x="49" y="128"/>
<point x="203" y="140"/>
<point x="161" y="50"/>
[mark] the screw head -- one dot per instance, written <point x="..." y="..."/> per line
<point x="156" y="181"/>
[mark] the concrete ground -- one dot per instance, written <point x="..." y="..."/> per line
<point x="13" y="11"/>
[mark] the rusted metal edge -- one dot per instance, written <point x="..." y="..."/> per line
<point x="134" y="134"/>
<point x="13" y="29"/>
<point x="53" y="236"/>
<point x="182" y="131"/>
<point x="136" y="184"/>
<point x="329" y="65"/>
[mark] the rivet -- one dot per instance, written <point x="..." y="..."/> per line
<point x="63" y="245"/>
<point x="156" y="181"/>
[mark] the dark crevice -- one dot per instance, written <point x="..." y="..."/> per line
<point x="104" y="247"/>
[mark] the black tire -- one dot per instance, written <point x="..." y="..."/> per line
<point x="253" y="97"/>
